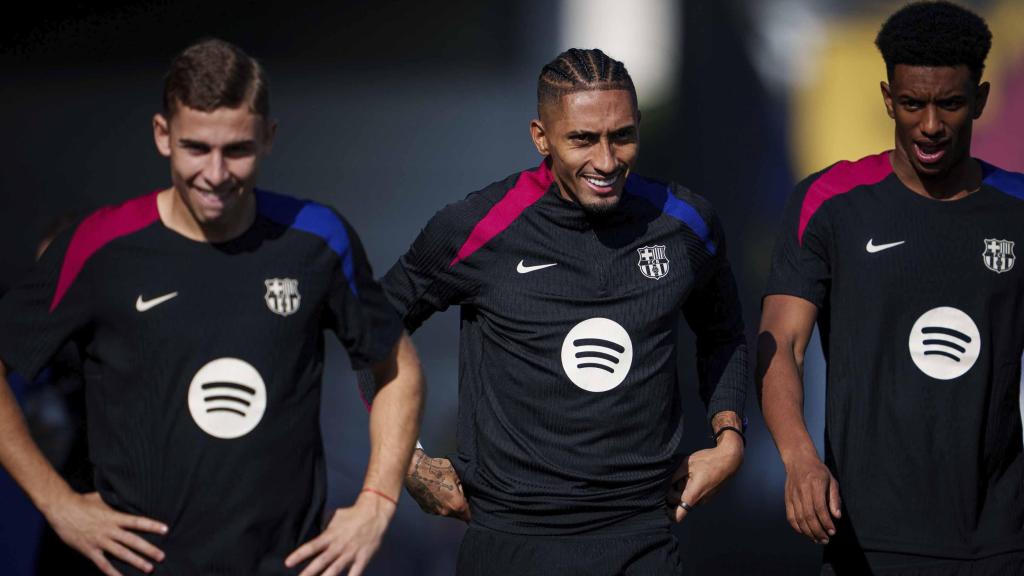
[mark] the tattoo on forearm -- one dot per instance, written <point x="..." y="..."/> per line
<point x="725" y="419"/>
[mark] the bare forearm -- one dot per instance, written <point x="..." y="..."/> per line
<point x="394" y="422"/>
<point x="786" y="326"/>
<point x="20" y="455"/>
<point x="782" y="403"/>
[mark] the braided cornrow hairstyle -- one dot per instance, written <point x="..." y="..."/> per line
<point x="577" y="70"/>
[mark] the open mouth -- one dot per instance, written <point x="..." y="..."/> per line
<point x="930" y="152"/>
<point x="603" y="184"/>
<point x="212" y="199"/>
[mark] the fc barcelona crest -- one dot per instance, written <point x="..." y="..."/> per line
<point x="653" y="262"/>
<point x="282" y="295"/>
<point x="998" y="255"/>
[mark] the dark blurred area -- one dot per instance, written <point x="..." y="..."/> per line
<point x="388" y="111"/>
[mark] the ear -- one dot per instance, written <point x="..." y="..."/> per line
<point x="162" y="135"/>
<point x="540" y="137"/>
<point x="980" y="99"/>
<point x="269" y="132"/>
<point x="887" y="98"/>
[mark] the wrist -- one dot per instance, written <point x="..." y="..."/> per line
<point x="55" y="498"/>
<point x="378" y="501"/>
<point x="799" y="455"/>
<point x="730" y="443"/>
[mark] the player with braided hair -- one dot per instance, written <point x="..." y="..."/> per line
<point x="578" y="70"/>
<point x="905" y="259"/>
<point x="572" y="278"/>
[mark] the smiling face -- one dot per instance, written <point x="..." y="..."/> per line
<point x="214" y="158"/>
<point x="934" y="108"/>
<point x="593" y="139"/>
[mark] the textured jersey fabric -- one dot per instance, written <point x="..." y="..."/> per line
<point x="921" y="315"/>
<point x="569" y="412"/>
<point x="203" y="365"/>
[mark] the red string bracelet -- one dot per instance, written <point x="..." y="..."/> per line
<point x="381" y="494"/>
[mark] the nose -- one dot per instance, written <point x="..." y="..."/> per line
<point x="216" y="171"/>
<point x="604" y="158"/>
<point x="931" y="124"/>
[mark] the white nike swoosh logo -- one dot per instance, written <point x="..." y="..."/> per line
<point x="524" y="269"/>
<point x="143" y="305"/>
<point x="872" y="247"/>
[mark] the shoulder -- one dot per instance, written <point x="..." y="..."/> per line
<point x="306" y="216"/>
<point x="76" y="246"/>
<point x="675" y="201"/>
<point x="91" y="233"/>
<point x="1007" y="182"/>
<point x="507" y="197"/>
<point x="111" y="222"/>
<point x="834" y="181"/>
<point x="846" y="175"/>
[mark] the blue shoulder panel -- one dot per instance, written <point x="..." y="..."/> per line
<point x="1011" y="183"/>
<point x="314" y="218"/>
<point x="661" y="196"/>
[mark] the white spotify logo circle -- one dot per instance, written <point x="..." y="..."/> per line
<point x="227" y="398"/>
<point x="597" y="354"/>
<point x="945" y="343"/>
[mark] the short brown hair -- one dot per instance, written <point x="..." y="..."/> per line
<point x="213" y="74"/>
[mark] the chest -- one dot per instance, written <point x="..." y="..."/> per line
<point x="893" y="250"/>
<point x="542" y="278"/>
<point x="175" y="298"/>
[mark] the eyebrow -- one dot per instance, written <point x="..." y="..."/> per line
<point x="619" y="130"/>
<point x="199" y="143"/>
<point x="955" y="93"/>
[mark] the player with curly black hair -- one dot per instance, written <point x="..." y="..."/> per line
<point x="935" y="34"/>
<point x="905" y="260"/>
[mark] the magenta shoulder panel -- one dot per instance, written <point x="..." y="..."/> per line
<point x="98" y="230"/>
<point x="530" y="187"/>
<point x="842" y="178"/>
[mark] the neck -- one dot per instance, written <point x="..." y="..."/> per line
<point x="962" y="179"/>
<point x="177" y="216"/>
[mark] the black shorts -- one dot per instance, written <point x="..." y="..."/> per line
<point x="489" y="553"/>
<point x="890" y="564"/>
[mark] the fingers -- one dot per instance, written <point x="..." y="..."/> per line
<point x="693" y="491"/>
<point x="140" y="523"/>
<point x="330" y="562"/>
<point x="120" y="551"/>
<point x="834" y="501"/>
<point x="135" y="542"/>
<point x="102" y="563"/>
<point x="791" y="513"/>
<point x="357" y="566"/>
<point x="320" y="564"/>
<point x="89" y="525"/>
<point x="808" y="500"/>
<point x="306" y="551"/>
<point x="822" y="514"/>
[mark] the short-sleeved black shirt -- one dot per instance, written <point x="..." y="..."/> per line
<point x="203" y="365"/>
<point x="569" y="411"/>
<point x="921" y="315"/>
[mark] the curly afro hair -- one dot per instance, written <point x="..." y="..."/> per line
<point x="935" y="34"/>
